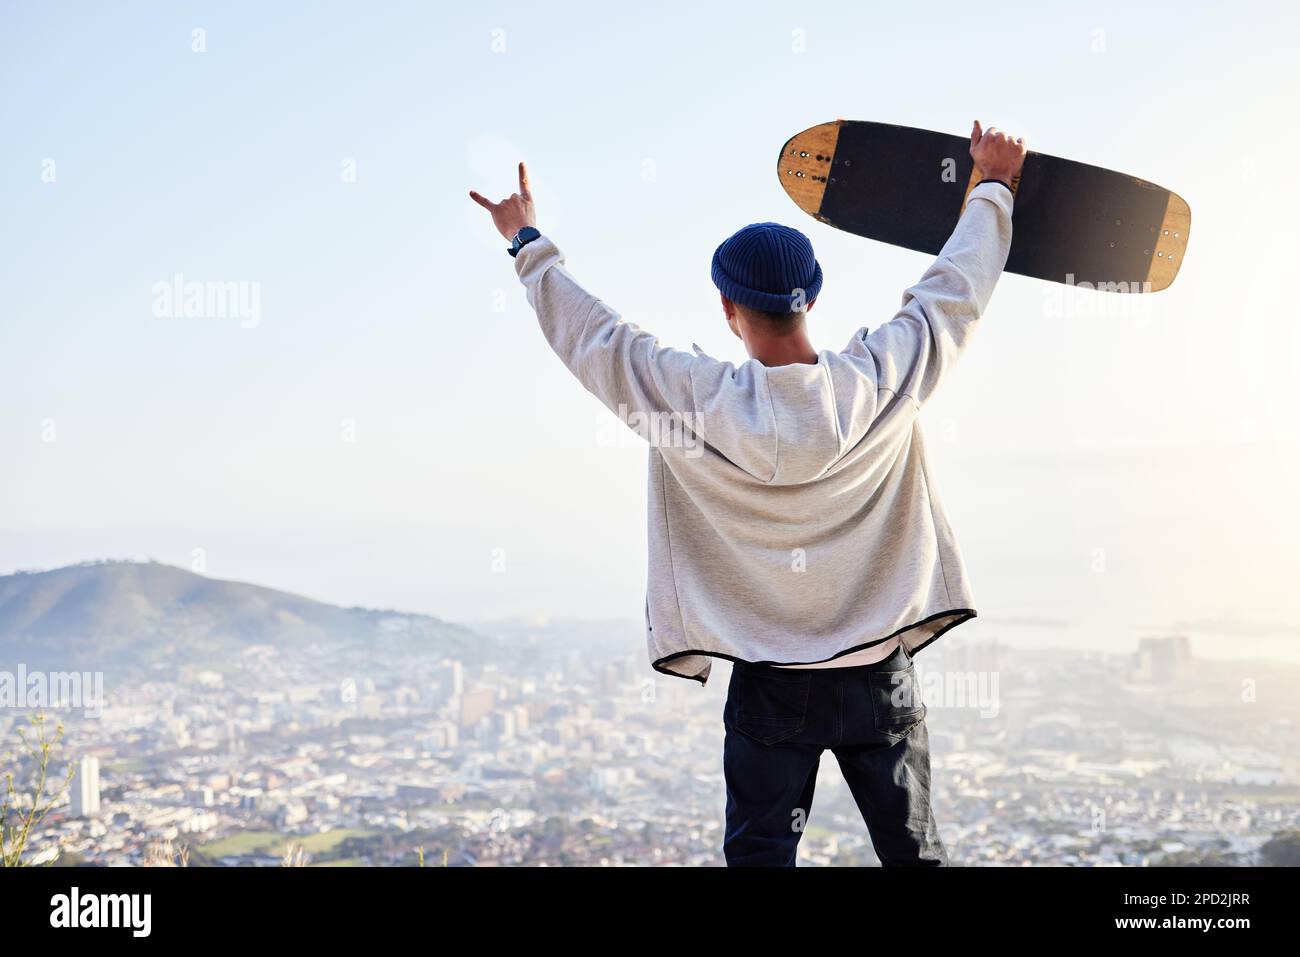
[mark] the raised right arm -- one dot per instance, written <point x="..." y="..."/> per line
<point x="914" y="350"/>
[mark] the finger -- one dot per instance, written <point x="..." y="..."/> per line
<point x="975" y="134"/>
<point x="993" y="132"/>
<point x="524" y="188"/>
<point x="481" y="200"/>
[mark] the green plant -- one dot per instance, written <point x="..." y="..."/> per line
<point x="167" y="854"/>
<point x="295" y="855"/>
<point x="419" y="853"/>
<point x="21" y="814"/>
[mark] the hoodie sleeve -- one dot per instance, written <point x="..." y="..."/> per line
<point x="618" y="362"/>
<point x="914" y="350"/>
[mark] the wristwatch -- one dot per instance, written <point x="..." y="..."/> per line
<point x="523" y="238"/>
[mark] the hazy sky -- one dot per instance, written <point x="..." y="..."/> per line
<point x="1119" y="464"/>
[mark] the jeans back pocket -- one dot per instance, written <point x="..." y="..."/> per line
<point x="768" y="704"/>
<point x="896" y="701"/>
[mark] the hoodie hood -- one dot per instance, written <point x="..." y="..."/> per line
<point x="786" y="425"/>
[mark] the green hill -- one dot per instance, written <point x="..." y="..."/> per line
<point x="109" y="615"/>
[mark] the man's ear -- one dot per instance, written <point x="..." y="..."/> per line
<point x="811" y="303"/>
<point x="732" y="315"/>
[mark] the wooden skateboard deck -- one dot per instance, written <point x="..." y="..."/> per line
<point x="1073" y="223"/>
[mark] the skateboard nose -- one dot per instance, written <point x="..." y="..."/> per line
<point x="805" y="165"/>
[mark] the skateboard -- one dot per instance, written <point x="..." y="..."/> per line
<point x="1072" y="223"/>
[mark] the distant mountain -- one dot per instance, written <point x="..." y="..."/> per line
<point x="104" y="615"/>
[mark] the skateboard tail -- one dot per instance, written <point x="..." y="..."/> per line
<point x="1170" y="244"/>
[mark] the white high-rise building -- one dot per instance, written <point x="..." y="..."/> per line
<point x="453" y="677"/>
<point x="85" y="788"/>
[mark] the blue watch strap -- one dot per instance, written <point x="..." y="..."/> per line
<point x="522" y="239"/>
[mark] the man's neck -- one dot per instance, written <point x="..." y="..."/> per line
<point x="783" y="351"/>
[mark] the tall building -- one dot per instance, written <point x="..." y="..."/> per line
<point x="85" y="788"/>
<point x="452" y="677"/>
<point x="521" y="718"/>
<point x="475" y="705"/>
<point x="503" y="724"/>
<point x="1162" y="659"/>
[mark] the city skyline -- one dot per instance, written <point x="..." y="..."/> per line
<point x="510" y="762"/>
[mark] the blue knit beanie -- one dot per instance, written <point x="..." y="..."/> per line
<point x="765" y="265"/>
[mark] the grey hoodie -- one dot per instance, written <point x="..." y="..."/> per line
<point x="793" y="518"/>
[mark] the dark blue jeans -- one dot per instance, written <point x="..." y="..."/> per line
<point x="779" y="721"/>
